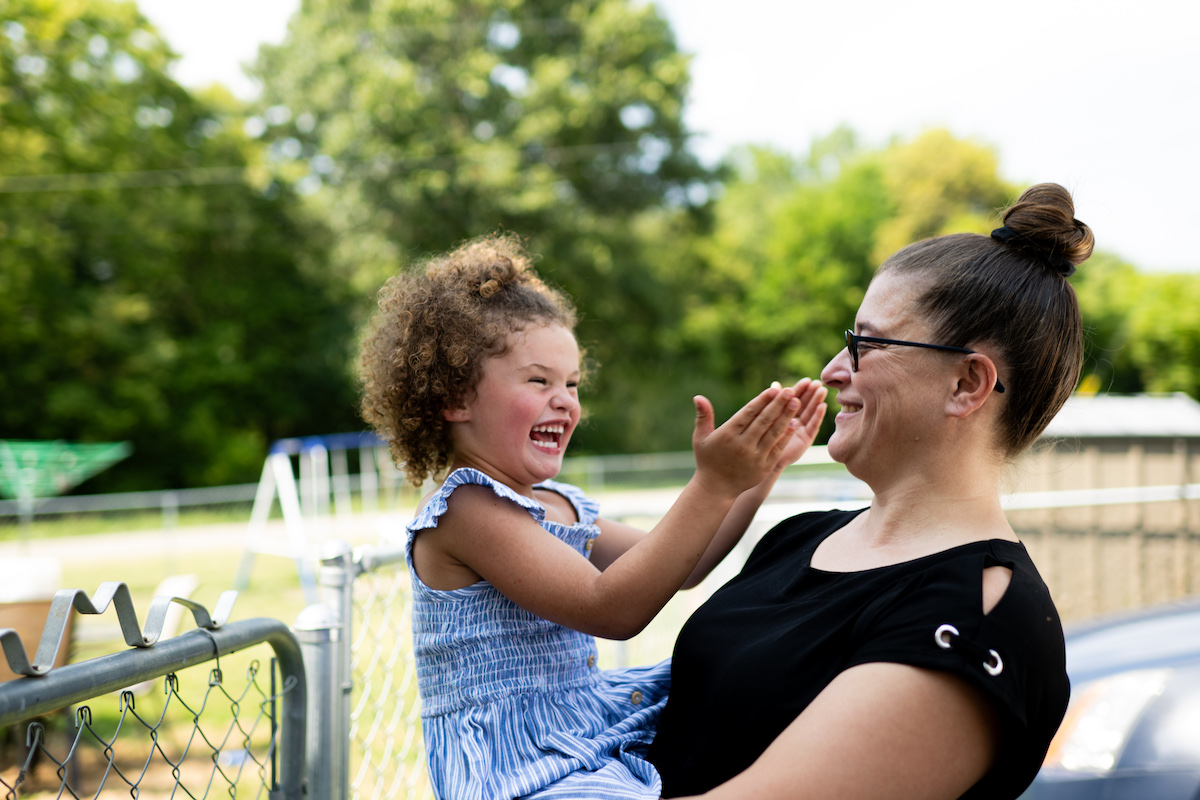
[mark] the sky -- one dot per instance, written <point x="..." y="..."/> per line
<point x="1102" y="96"/>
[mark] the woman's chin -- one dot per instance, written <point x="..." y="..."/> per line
<point x="837" y="448"/>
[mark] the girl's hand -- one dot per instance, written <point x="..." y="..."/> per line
<point x="743" y="451"/>
<point x="811" y="395"/>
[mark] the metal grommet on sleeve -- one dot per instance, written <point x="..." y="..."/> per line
<point x="635" y="698"/>
<point x="942" y="635"/>
<point x="591" y="662"/>
<point x="990" y="660"/>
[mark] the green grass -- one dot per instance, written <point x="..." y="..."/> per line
<point x="87" y="524"/>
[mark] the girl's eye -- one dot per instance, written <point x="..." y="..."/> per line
<point x="537" y="380"/>
<point x="572" y="384"/>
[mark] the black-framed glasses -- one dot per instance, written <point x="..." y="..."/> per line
<point x="852" y="340"/>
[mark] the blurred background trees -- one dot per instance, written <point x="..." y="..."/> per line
<point x="188" y="272"/>
<point x="155" y="285"/>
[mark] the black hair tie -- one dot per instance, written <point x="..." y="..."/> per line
<point x="1058" y="263"/>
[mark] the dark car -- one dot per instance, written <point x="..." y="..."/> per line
<point x="1132" y="731"/>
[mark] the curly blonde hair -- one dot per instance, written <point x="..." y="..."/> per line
<point x="436" y="324"/>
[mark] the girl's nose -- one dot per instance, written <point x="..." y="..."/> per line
<point x="565" y="399"/>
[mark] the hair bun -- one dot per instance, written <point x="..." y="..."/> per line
<point x="1042" y="224"/>
<point x="487" y="269"/>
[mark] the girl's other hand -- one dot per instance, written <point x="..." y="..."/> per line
<point x="811" y="395"/>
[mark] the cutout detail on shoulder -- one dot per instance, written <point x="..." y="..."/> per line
<point x="995" y="583"/>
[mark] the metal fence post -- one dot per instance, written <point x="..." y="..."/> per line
<point x="336" y="580"/>
<point x="319" y="631"/>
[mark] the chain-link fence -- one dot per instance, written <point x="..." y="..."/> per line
<point x="223" y="721"/>
<point x="387" y="756"/>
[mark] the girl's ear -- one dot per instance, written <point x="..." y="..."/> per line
<point x="456" y="415"/>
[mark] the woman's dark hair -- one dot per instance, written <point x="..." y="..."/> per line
<point x="424" y="350"/>
<point x="1009" y="290"/>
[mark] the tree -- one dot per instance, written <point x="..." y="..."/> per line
<point x="939" y="185"/>
<point x="1165" y="334"/>
<point x="1109" y="291"/>
<point x="1141" y="330"/>
<point x="151" y="289"/>
<point x="417" y="125"/>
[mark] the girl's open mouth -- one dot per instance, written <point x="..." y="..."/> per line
<point x="547" y="437"/>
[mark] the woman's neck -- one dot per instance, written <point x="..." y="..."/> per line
<point x="924" y="511"/>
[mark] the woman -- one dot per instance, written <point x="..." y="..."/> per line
<point x="910" y="649"/>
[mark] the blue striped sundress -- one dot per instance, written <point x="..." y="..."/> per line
<point x="512" y="705"/>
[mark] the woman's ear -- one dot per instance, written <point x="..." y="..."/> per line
<point x="456" y="415"/>
<point x="976" y="382"/>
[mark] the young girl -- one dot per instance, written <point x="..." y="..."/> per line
<point x="472" y="364"/>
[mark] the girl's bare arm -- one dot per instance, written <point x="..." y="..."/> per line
<point x="503" y="545"/>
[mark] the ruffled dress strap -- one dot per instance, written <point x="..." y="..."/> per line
<point x="587" y="509"/>
<point x="434" y="509"/>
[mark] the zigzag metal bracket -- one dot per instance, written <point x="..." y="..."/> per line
<point x="115" y="593"/>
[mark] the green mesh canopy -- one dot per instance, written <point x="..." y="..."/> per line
<point x="30" y="469"/>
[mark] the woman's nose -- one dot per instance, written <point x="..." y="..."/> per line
<point x="837" y="372"/>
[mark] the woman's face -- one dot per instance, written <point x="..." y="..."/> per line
<point x="891" y="402"/>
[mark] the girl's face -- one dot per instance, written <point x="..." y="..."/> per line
<point x="516" y="426"/>
<point x="891" y="403"/>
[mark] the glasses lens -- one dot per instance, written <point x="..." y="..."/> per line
<point x="852" y="349"/>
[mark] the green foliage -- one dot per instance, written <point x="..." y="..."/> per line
<point x="149" y="289"/>
<point x="939" y="185"/>
<point x="1142" y="328"/>
<point x="1109" y="291"/>
<point x="1165" y="334"/>
<point x="185" y="273"/>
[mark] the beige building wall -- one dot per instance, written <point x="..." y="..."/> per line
<point x="1103" y="558"/>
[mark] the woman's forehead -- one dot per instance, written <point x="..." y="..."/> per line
<point x="890" y="303"/>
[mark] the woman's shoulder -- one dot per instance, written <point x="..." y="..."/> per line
<point x="931" y="613"/>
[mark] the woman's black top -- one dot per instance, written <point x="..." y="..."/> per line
<point x="753" y="657"/>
